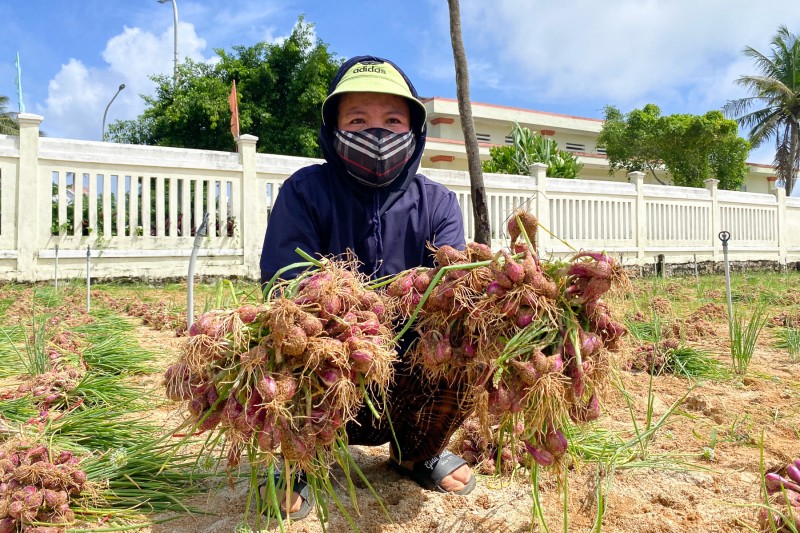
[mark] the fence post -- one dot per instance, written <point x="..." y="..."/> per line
<point x="716" y="218"/>
<point x="780" y="196"/>
<point x="252" y="229"/>
<point x="640" y="235"/>
<point x="29" y="197"/>
<point x="538" y="172"/>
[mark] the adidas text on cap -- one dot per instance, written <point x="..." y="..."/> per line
<point x="375" y="77"/>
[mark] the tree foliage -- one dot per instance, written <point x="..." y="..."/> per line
<point x="281" y="88"/>
<point x="8" y="119"/>
<point x="528" y="148"/>
<point x="776" y="97"/>
<point x="690" y="148"/>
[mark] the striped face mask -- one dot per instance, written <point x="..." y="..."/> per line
<point x="375" y="156"/>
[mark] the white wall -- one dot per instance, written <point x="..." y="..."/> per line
<point x="150" y="233"/>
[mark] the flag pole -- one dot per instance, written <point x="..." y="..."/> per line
<point x="19" y="86"/>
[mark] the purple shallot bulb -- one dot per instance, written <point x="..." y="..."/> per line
<point x="542" y="457"/>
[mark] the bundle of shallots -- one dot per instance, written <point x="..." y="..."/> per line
<point x="51" y="388"/>
<point x="288" y="374"/>
<point x="532" y="339"/>
<point x="36" y="489"/>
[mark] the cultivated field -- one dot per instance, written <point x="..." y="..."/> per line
<point x="681" y="444"/>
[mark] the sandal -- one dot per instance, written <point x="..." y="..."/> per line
<point x="299" y="487"/>
<point x="429" y="474"/>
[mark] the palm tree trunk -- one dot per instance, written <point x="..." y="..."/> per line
<point x="480" y="210"/>
<point x="794" y="158"/>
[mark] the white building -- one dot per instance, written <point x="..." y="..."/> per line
<point x="493" y="125"/>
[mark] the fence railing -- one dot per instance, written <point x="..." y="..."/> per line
<point x="135" y="210"/>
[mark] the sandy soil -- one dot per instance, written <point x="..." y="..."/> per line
<point x="683" y="490"/>
<point x="707" y="494"/>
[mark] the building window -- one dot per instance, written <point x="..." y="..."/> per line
<point x="483" y="137"/>
<point x="600" y="150"/>
<point x="575" y="147"/>
<point x="509" y="139"/>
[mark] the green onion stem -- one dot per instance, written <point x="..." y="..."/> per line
<point x="367" y="400"/>
<point x="269" y="286"/>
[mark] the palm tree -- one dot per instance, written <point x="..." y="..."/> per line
<point x="777" y="94"/>
<point x="480" y="209"/>
<point x="8" y="119"/>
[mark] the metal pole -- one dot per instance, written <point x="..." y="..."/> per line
<point x="55" y="274"/>
<point x="198" y="238"/>
<point x="175" y="38"/>
<point x="88" y="281"/>
<point x="119" y="90"/>
<point x="725" y="236"/>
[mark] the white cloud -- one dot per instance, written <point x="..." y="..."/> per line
<point x="682" y="56"/>
<point x="71" y="98"/>
<point x="234" y="21"/>
<point x="78" y="95"/>
<point x="622" y="51"/>
<point x="268" y="35"/>
<point x="719" y="87"/>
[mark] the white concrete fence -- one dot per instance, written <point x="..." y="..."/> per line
<point x="134" y="210"/>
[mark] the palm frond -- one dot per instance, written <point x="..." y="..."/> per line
<point x="734" y="108"/>
<point x="764" y="64"/>
<point x="771" y="89"/>
<point x="8" y="120"/>
<point x="763" y="124"/>
<point x="776" y="94"/>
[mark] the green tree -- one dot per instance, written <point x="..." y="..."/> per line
<point x="528" y="148"/>
<point x="690" y="148"/>
<point x="8" y="119"/>
<point x="631" y="140"/>
<point x="280" y="86"/>
<point x="776" y="97"/>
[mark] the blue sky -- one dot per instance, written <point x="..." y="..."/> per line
<point x="564" y="57"/>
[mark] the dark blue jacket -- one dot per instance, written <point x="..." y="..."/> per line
<point x="323" y="210"/>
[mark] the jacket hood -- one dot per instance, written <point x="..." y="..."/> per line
<point x="419" y="128"/>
